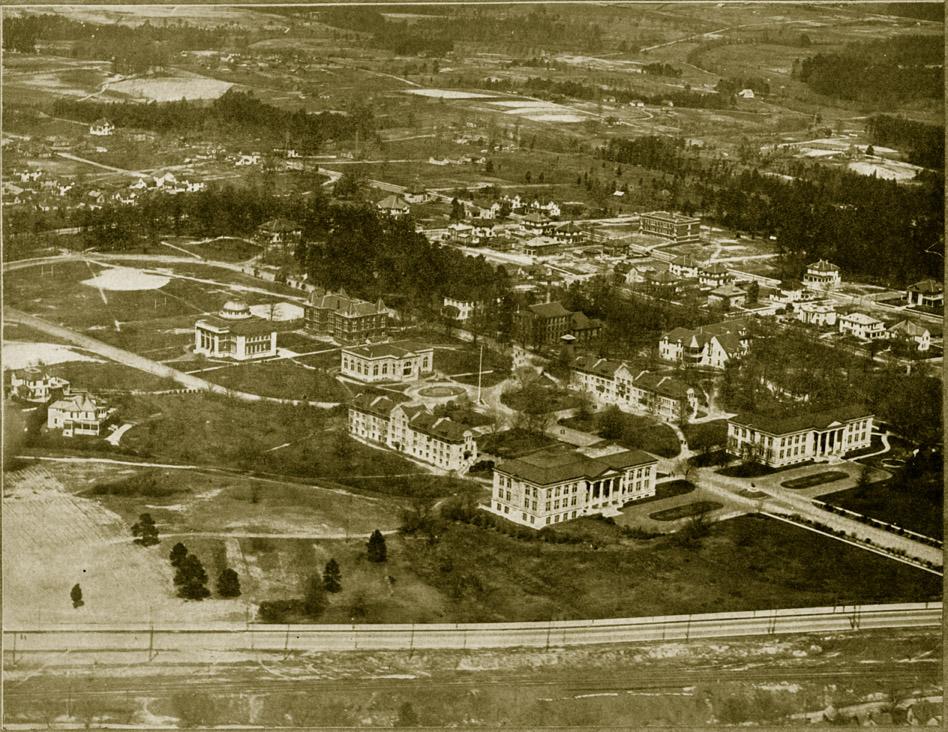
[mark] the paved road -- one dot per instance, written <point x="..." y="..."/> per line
<point x="80" y="643"/>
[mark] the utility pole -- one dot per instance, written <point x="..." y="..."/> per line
<point x="480" y="368"/>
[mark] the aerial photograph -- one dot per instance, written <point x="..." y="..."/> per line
<point x="472" y="365"/>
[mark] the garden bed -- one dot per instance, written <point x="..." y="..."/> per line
<point x="808" y="481"/>
<point x="689" y="509"/>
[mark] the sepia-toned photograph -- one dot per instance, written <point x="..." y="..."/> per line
<point x="482" y="365"/>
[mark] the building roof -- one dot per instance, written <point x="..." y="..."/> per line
<point x="536" y="218"/>
<point x="541" y="241"/>
<point x="555" y="466"/>
<point x="549" y="310"/>
<point x="662" y="384"/>
<point x="598" y="366"/>
<point x="79" y="401"/>
<point x="822" y="265"/>
<point x="800" y="422"/>
<point x="716" y="268"/>
<point x="674" y="218"/>
<point x="686" y="260"/>
<point x="345" y="305"/>
<point x="441" y="428"/>
<point x="580" y="321"/>
<point x="393" y="203"/>
<point x="860" y="318"/>
<point x="661" y="278"/>
<point x="927" y="287"/>
<point x="249" y="327"/>
<point x="280" y="226"/>
<point x="909" y="328"/>
<point x="382" y="350"/>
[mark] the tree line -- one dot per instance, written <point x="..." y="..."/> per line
<point x="234" y="112"/>
<point x="872" y="227"/>
<point x="924" y="144"/>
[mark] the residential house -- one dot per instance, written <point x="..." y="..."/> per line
<point x="244" y="160"/>
<point x="862" y="326"/>
<point x="388" y="362"/>
<point x="550" y="208"/>
<point x="583" y="328"/>
<point x="540" y="246"/>
<point x="393" y="206"/>
<point x="685" y="267"/>
<point x="552" y="486"/>
<point x="746" y="94"/>
<point x="727" y="296"/>
<point x="416" y="193"/>
<point x="614" y="383"/>
<point x="815" y="313"/>
<point x="779" y="441"/>
<point x="569" y="234"/>
<point x="79" y="413"/>
<point x="346" y="319"/>
<point x="536" y="224"/>
<point x="465" y="308"/>
<point x="662" y="284"/>
<point x="413" y="431"/>
<point x="710" y="346"/>
<point x="235" y="333"/>
<point x="927" y="293"/>
<point x="280" y="232"/>
<point x="639" y="273"/>
<point x="672" y="226"/>
<point x="101" y="128"/>
<point x="822" y="275"/>
<point x="911" y="332"/>
<point x="35" y="385"/>
<point x="714" y="275"/>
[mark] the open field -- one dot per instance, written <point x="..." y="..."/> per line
<point x="639" y="432"/>
<point x="911" y="509"/>
<point x="280" y="379"/>
<point x="690" y="509"/>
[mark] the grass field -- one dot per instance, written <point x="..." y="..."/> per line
<point x="280" y="379"/>
<point x="108" y="376"/>
<point x="513" y="443"/>
<point x="639" y="433"/>
<point x="808" y="481"/>
<point x="686" y="511"/>
<point x="919" y="511"/>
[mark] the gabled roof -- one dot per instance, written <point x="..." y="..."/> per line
<point x="799" y="422"/>
<point x="580" y="321"/>
<point x="598" y="366"/>
<point x="729" y="290"/>
<point x="79" y="401"/>
<point x="376" y="404"/>
<point x="927" y="287"/>
<point x="686" y="260"/>
<point x="441" y="428"/>
<point x="549" y="310"/>
<point x="860" y="318"/>
<point x="716" y="268"/>
<point x="555" y="466"/>
<point x="662" y="384"/>
<point x="280" y="226"/>
<point x="909" y="328"/>
<point x="342" y="303"/>
<point x="821" y="265"/>
<point x="393" y="203"/>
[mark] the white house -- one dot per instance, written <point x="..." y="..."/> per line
<point x="927" y="293"/>
<point x="686" y="267"/>
<point x="413" y="431"/>
<point x="101" y="128"/>
<point x="394" y="206"/>
<point x="815" y="313"/>
<point x="710" y="346"/>
<point x="822" y="275"/>
<point x="909" y="331"/>
<point x="783" y="441"/>
<point x="465" y="308"/>
<point x="34" y="385"/>
<point x="78" y="414"/>
<point x="550" y="487"/>
<point x="862" y="326"/>
<point x="714" y="275"/>
<point x="235" y="333"/>
<point x="389" y="362"/>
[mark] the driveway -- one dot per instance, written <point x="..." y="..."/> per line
<point x="638" y="514"/>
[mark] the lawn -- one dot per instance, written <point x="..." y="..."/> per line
<point x="916" y="510"/>
<point x="223" y="250"/>
<point x="808" y="481"/>
<point x="464" y="359"/>
<point x="689" y="509"/>
<point x="757" y="470"/>
<point x="667" y="490"/>
<point x="458" y="577"/>
<point x="513" y="443"/>
<point x="638" y="432"/>
<point x="553" y="400"/>
<point x="280" y="379"/>
<point x="106" y="377"/>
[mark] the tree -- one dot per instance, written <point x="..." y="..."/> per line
<point x="753" y="292"/>
<point x="864" y="479"/>
<point x="178" y="553"/>
<point x="407" y="716"/>
<point x="76" y="595"/>
<point x="342" y="444"/>
<point x="332" y="576"/>
<point x="228" y="583"/>
<point x="145" y="530"/>
<point x="377" y="551"/>
<point x="191" y="579"/>
<point x="314" y="596"/>
<point x="457" y="210"/>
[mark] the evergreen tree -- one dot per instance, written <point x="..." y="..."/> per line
<point x="191" y="579"/>
<point x="178" y="552"/>
<point x="314" y="598"/>
<point x="76" y="595"/>
<point x="407" y="716"/>
<point x="332" y="576"/>
<point x="145" y="530"/>
<point x="228" y="583"/>
<point x="377" y="550"/>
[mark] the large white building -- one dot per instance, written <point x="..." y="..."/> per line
<point x="35" y="385"/>
<point x="78" y="414"/>
<point x="822" y="275"/>
<point x="235" y="333"/>
<point x="815" y="313"/>
<point x="862" y="326"/>
<point x="412" y="430"/>
<point x="552" y="486"/>
<point x="614" y="383"/>
<point x="787" y="440"/>
<point x="673" y="226"/>
<point x="710" y="346"/>
<point x="387" y="362"/>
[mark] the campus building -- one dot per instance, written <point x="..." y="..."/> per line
<point x="546" y="323"/>
<point x="779" y="441"/>
<point x="346" y="319"/>
<point x="822" y="275"/>
<point x="679" y="229"/>
<point x="710" y="346"/>
<point x="412" y="430"/>
<point x="614" y="383"/>
<point x="35" y="385"/>
<point x="235" y="333"/>
<point x="78" y="414"/>
<point x="387" y="362"/>
<point x="552" y="486"/>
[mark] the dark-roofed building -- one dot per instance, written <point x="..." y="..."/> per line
<point x="710" y="346"/>
<point x="822" y="275"/>
<point x="556" y="485"/>
<point x="235" y="333"/>
<point x="387" y="362"/>
<point x="673" y="226"/>
<point x="778" y="441"/>
<point x="79" y="413"/>
<point x="411" y="429"/>
<point x="615" y="383"/>
<point x="347" y="319"/>
<point x="685" y="267"/>
<point x="280" y="232"/>
<point x="729" y="296"/>
<point x="394" y="206"/>
<point x="546" y="323"/>
<point x="927" y="293"/>
<point x="714" y="275"/>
